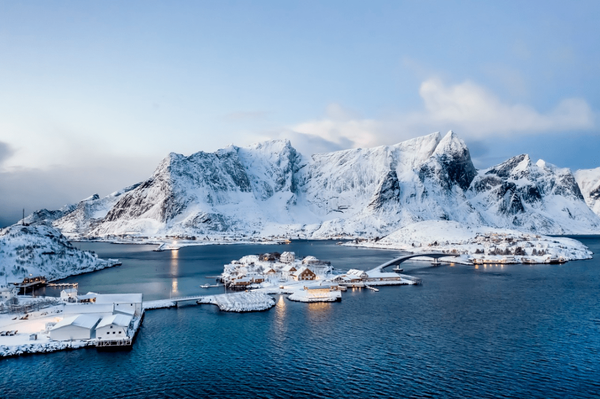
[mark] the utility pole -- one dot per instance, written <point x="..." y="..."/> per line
<point x="23" y="216"/>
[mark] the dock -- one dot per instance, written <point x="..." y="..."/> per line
<point x="63" y="285"/>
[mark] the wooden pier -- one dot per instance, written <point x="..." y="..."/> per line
<point x="63" y="285"/>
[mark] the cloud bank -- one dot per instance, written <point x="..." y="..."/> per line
<point x="468" y="108"/>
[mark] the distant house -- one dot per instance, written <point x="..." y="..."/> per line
<point x="289" y="270"/>
<point x="69" y="295"/>
<point x="271" y="272"/>
<point x="267" y="257"/>
<point x="287" y="257"/>
<point x="241" y="282"/>
<point x="304" y="274"/>
<point x="6" y="293"/>
<point x="359" y="274"/>
<point x="310" y="260"/>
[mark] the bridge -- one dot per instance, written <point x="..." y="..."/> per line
<point x="397" y="261"/>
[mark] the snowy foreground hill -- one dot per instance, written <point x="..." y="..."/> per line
<point x="480" y="244"/>
<point x="269" y="189"/>
<point x="42" y="251"/>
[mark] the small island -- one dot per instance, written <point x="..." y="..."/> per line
<point x="305" y="280"/>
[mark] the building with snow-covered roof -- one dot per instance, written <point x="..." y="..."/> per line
<point x="78" y="327"/>
<point x="113" y="327"/>
<point x="69" y="295"/>
<point x="309" y="260"/>
<point x="357" y="273"/>
<point x="81" y="308"/>
<point x="6" y="293"/>
<point x="287" y="257"/>
<point x="130" y="304"/>
<point x="304" y="274"/>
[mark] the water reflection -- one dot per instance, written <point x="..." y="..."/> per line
<point x="319" y="307"/>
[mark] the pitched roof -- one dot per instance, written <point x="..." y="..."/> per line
<point x="83" y="320"/>
<point x="116" y="319"/>
<point x="119" y="298"/>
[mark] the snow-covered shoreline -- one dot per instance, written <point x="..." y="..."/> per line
<point x="480" y="244"/>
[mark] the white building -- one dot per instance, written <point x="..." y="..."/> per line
<point x="79" y="327"/>
<point x="130" y="304"/>
<point x="309" y="260"/>
<point x="287" y="257"/>
<point x="113" y="327"/>
<point x="69" y="295"/>
<point x="81" y="308"/>
<point x="6" y="293"/>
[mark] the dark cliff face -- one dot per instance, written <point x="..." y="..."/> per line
<point x="595" y="193"/>
<point x="387" y="192"/>
<point x="567" y="186"/>
<point x="450" y="165"/>
<point x="507" y="168"/>
<point x="517" y="181"/>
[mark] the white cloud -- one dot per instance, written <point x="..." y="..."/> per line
<point x="478" y="112"/>
<point x="467" y="108"/>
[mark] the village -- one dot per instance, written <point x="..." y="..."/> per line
<point x="30" y="324"/>
<point x="305" y="280"/>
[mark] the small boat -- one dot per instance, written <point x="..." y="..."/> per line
<point x="210" y="286"/>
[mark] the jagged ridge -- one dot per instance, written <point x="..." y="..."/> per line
<point x="270" y="189"/>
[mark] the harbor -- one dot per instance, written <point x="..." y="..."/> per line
<point x="34" y="324"/>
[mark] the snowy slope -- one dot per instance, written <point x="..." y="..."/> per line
<point x="42" y="251"/>
<point x="269" y="189"/>
<point x="589" y="183"/>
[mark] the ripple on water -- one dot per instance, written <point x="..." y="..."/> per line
<point x="516" y="331"/>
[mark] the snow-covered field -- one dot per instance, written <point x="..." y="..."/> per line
<point x="34" y="324"/>
<point x="475" y="244"/>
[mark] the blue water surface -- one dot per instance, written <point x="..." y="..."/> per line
<point x="495" y="331"/>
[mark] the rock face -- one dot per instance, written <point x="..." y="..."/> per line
<point x="270" y="189"/>
<point x="42" y="250"/>
<point x="589" y="183"/>
<point x="531" y="197"/>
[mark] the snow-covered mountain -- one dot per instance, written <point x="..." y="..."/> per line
<point x="532" y="197"/>
<point x="270" y="189"/>
<point x="42" y="250"/>
<point x="589" y="183"/>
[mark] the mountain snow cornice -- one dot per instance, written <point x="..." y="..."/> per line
<point x="269" y="189"/>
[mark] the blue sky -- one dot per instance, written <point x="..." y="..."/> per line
<point x="94" y="94"/>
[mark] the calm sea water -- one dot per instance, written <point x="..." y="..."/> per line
<point x="512" y="331"/>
